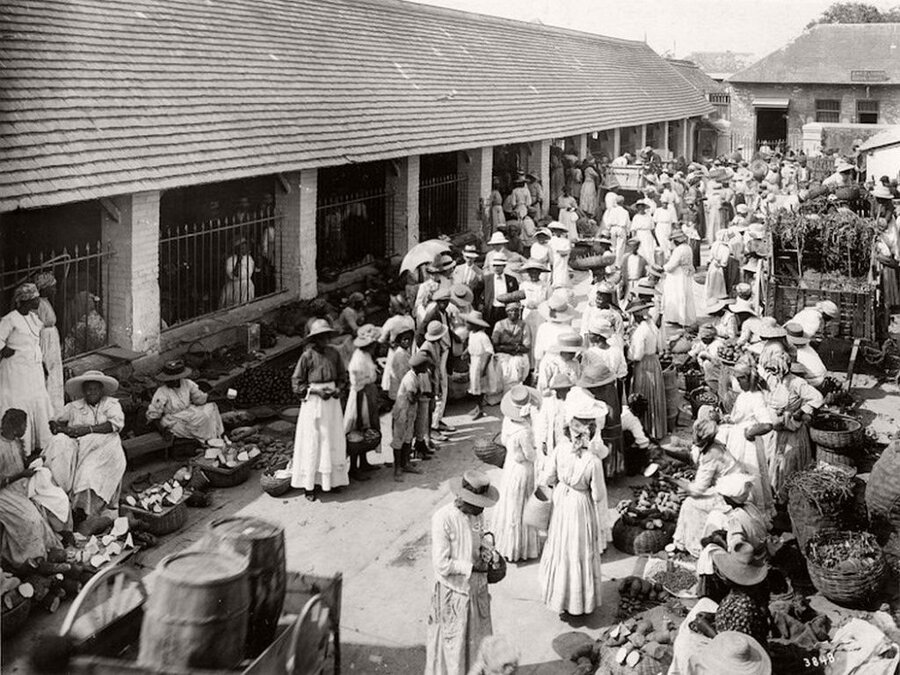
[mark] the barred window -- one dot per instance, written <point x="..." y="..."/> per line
<point x="828" y="110"/>
<point x="867" y="112"/>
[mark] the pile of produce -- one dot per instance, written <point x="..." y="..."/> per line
<point x="224" y="453"/>
<point x="729" y="353"/>
<point x="856" y="552"/>
<point x="157" y="497"/>
<point x="97" y="551"/>
<point x="654" y="504"/>
<point x="633" y="640"/>
<point x="265" y="385"/>
<point x="637" y="595"/>
<point x="675" y="579"/>
<point x="827" y="488"/>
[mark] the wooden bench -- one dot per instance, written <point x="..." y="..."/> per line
<point x="151" y="442"/>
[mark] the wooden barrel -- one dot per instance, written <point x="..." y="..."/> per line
<point x="263" y="544"/>
<point x="197" y="614"/>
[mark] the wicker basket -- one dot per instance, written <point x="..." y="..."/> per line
<point x="806" y="519"/>
<point x="490" y="452"/>
<point x="14" y="619"/>
<point x="590" y="262"/>
<point x="828" y="456"/>
<point x="636" y="540"/>
<point x="837" y="441"/>
<point x="170" y="519"/>
<point x="694" y="398"/>
<point x="274" y="487"/>
<point x="222" y="477"/>
<point x="513" y="296"/>
<point x="359" y="442"/>
<point x="497" y="568"/>
<point x="848" y="588"/>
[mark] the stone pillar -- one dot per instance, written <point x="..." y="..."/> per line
<point x="617" y="142"/>
<point x="539" y="165"/>
<point x="665" y="133"/>
<point x="133" y="312"/>
<point x="477" y="165"/>
<point x="403" y="180"/>
<point x="295" y="199"/>
<point x="685" y="132"/>
<point x="812" y="139"/>
<point x="689" y="142"/>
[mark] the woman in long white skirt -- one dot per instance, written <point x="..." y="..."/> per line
<point x="51" y="348"/>
<point x="719" y="254"/>
<point x="570" y="564"/>
<point x="678" y="284"/>
<point x="320" y="447"/>
<point x="516" y="540"/>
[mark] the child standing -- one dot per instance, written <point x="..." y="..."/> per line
<point x="404" y="413"/>
<point x="484" y="374"/>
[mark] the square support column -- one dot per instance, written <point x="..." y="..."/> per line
<point x="685" y="131"/>
<point x="581" y="145"/>
<point x="665" y="132"/>
<point x="133" y="314"/>
<point x="403" y="181"/>
<point x="643" y="136"/>
<point x="539" y="165"/>
<point x="295" y="199"/>
<point x="617" y="142"/>
<point x="477" y="165"/>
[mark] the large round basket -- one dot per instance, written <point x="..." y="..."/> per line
<point x="513" y="296"/>
<point x="836" y="440"/>
<point x="636" y="540"/>
<point x="646" y="666"/>
<point x="15" y="618"/>
<point x="853" y="586"/>
<point x="693" y="380"/>
<point x="169" y="520"/>
<point x="272" y="486"/>
<point x="589" y="262"/>
<point x="700" y="397"/>
<point x="806" y="519"/>
<point x="490" y="452"/>
<point x="363" y="440"/>
<point x="829" y="456"/>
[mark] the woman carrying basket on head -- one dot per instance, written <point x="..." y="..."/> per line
<point x="362" y="403"/>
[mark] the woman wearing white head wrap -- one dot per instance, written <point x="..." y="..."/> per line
<point x="51" y="348"/>
<point x="22" y="383"/>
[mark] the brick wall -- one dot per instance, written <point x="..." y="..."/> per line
<point x="802" y="107"/>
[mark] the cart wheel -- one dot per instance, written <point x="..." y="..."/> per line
<point x="108" y="595"/>
<point x="311" y="633"/>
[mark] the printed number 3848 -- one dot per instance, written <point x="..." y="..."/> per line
<point x="816" y="661"/>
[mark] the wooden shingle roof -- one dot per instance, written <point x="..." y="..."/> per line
<point x="105" y="97"/>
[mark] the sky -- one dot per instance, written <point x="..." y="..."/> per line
<point x="677" y="26"/>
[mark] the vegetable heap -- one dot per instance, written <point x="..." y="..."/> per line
<point x="851" y="552"/>
<point x="675" y="579"/>
<point x="826" y="488"/>
<point x="636" y="640"/>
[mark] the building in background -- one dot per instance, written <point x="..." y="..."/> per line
<point x="842" y="78"/>
<point x="882" y="153"/>
<point x="714" y="131"/>
<point x="720" y="65"/>
<point x="186" y="167"/>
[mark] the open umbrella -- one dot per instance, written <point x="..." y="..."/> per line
<point x="423" y="252"/>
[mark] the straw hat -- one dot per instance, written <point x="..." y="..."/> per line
<point x="741" y="306"/>
<point x="570" y="343"/>
<point x="366" y="335"/>
<point x="582" y="408"/>
<point x="881" y="191"/>
<point x="769" y="329"/>
<point x="441" y="263"/>
<point x="843" y="166"/>
<point x="474" y="487"/>
<point x="646" y="290"/>
<point x="602" y="327"/>
<point x="714" y="305"/>
<point x="741" y="566"/>
<point x="74" y="384"/>
<point x="470" y="251"/>
<point x="435" y="331"/>
<point x="497" y="238"/>
<point x="756" y="231"/>
<point x="461" y="295"/>
<point x="532" y="265"/>
<point x="638" y="306"/>
<point x="736" y="486"/>
<point x="593" y="374"/>
<point x="545" y="231"/>
<point x="560" y="381"/>
<point x="557" y="226"/>
<point x="518" y="402"/>
<point x="733" y="653"/>
<point x="828" y="308"/>
<point x="557" y="308"/>
<point x="320" y="327"/>
<point x="443" y="293"/>
<point x="420" y="358"/>
<point x="677" y="234"/>
<point x="476" y="319"/>
<point x="795" y="334"/>
<point x="499" y="260"/>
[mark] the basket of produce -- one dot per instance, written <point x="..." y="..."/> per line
<point x="637" y="595"/>
<point x="693" y="380"/>
<point x="169" y="519"/>
<point x="829" y="456"/>
<point x="646" y="538"/>
<point x="489" y="451"/>
<point x="161" y="506"/>
<point x="513" y="296"/>
<point x="363" y="440"/>
<point x="729" y="353"/>
<point x="701" y="397"/>
<point x="646" y="523"/>
<point x="589" y="262"/>
<point x="635" y="647"/>
<point x="819" y="499"/>
<point x="674" y="577"/>
<point x="275" y="482"/>
<point x="848" y="568"/>
<point x="225" y="464"/>
<point x="836" y="432"/>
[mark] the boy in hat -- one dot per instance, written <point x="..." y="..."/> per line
<point x="633" y="266"/>
<point x="460" y="616"/>
<point x="403" y="414"/>
<point x="435" y="340"/>
<point x="550" y="420"/>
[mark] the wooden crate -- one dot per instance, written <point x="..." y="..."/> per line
<point x="858" y="309"/>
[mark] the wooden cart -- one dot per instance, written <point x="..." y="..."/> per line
<point x="105" y="621"/>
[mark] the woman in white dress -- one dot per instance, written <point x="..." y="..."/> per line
<point x="22" y="383"/>
<point x="642" y="229"/>
<point x="239" y="269"/>
<point x="485" y="378"/>
<point x="662" y="228"/>
<point x="587" y="200"/>
<point x="719" y="255"/>
<point x="550" y="420"/>
<point x="560" y="249"/>
<point x="647" y="377"/>
<point x="181" y="408"/>
<point x="678" y="284"/>
<point x="85" y="454"/>
<point x="515" y="540"/>
<point x="570" y="564"/>
<point x="51" y="347"/>
<point x="536" y="288"/>
<point x="362" y="401"/>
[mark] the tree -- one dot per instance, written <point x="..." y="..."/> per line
<point x="856" y="12"/>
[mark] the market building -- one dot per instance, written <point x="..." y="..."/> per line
<point x="714" y="132"/>
<point x="186" y="167"/>
<point x="842" y="79"/>
<point x="882" y="153"/>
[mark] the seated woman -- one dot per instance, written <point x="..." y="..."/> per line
<point x="181" y="408"/>
<point x="27" y="533"/>
<point x="85" y="454"/>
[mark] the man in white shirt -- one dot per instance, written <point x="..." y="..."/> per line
<point x="814" y="370"/>
<point x="815" y="318"/>
<point x="460" y="614"/>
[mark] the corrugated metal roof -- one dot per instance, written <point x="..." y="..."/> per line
<point x="99" y="98"/>
<point x="833" y="53"/>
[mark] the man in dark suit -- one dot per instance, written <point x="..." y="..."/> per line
<point x="496" y="284"/>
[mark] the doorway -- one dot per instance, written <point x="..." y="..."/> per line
<point x="771" y="126"/>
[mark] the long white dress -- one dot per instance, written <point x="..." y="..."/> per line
<point x="516" y="540"/>
<point x="642" y="228"/>
<point x="185" y="413"/>
<point x="559" y="257"/>
<point x="678" y="287"/>
<point x="570" y="565"/>
<point x="662" y="219"/>
<point x="536" y="292"/>
<point x="361" y="372"/>
<point x="715" y="274"/>
<point x="750" y="409"/>
<point x="94" y="463"/>
<point x="239" y="287"/>
<point x="22" y="382"/>
<point x="51" y="352"/>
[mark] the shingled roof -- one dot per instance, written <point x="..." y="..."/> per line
<point x="105" y="97"/>
<point x="830" y="54"/>
<point x="702" y="82"/>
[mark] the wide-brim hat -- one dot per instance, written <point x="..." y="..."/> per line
<point x="842" y="166"/>
<point x="435" y="331"/>
<point x="532" y="265"/>
<point x="768" y="329"/>
<point x="733" y="653"/>
<point x="367" y="335"/>
<point x="556" y="225"/>
<point x="543" y="231"/>
<point x="741" y="306"/>
<point x="443" y="293"/>
<point x="646" y="290"/>
<point x="470" y="251"/>
<point x="560" y="381"/>
<point x="676" y="234"/>
<point x="593" y="374"/>
<point x="172" y="371"/>
<point x="715" y="304"/>
<point x="476" y="319"/>
<point x="571" y="343"/>
<point x="419" y="358"/>
<point x="499" y="260"/>
<point x="795" y="334"/>
<point x="461" y="295"/>
<point x="602" y="327"/>
<point x="741" y="566"/>
<point x="74" y="384"/>
<point x="881" y="191"/>
<point x="638" y="306"/>
<point x="514" y="402"/>
<point x="497" y="238"/>
<point x="474" y="487"/>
